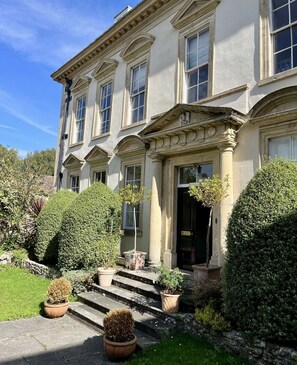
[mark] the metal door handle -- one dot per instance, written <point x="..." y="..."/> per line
<point x="186" y="233"/>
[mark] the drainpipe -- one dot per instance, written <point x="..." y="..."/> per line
<point x="63" y="135"/>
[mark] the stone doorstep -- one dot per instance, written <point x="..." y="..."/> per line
<point x="94" y="307"/>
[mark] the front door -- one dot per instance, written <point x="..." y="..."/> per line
<point x="192" y="223"/>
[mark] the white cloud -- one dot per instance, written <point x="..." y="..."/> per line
<point x="13" y="107"/>
<point x="3" y="126"/>
<point x="53" y="31"/>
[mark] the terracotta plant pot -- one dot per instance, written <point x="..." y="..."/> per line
<point x="170" y="302"/>
<point x="116" y="351"/>
<point x="55" y="310"/>
<point x="134" y="260"/>
<point x="105" y="276"/>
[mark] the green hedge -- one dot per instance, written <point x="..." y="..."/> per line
<point x="260" y="274"/>
<point x="48" y="224"/>
<point x="94" y="217"/>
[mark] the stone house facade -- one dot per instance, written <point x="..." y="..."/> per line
<point x="175" y="91"/>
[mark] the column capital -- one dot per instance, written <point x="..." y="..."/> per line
<point x="156" y="157"/>
<point x="229" y="141"/>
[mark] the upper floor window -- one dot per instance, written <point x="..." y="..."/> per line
<point x="137" y="92"/>
<point x="284" y="34"/>
<point x="197" y="60"/>
<point x="105" y="107"/>
<point x="80" y="119"/>
<point x="285" y="147"/>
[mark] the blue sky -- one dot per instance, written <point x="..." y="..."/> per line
<point x="36" y="38"/>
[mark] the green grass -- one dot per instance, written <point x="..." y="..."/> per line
<point x="186" y="350"/>
<point x="21" y="293"/>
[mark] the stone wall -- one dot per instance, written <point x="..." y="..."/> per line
<point x="39" y="269"/>
<point x="257" y="352"/>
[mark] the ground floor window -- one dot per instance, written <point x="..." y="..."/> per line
<point x="74" y="183"/>
<point x="285" y="147"/>
<point x="133" y="178"/>
<point x="193" y="173"/>
<point x="99" y="176"/>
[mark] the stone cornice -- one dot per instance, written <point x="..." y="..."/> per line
<point x="142" y="12"/>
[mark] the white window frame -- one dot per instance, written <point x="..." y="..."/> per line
<point x="74" y="178"/>
<point x="198" y="67"/>
<point x="80" y="120"/>
<point x="138" y="94"/>
<point x="103" y="108"/>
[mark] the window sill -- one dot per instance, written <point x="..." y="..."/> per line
<point x="276" y="77"/>
<point x="142" y="122"/>
<point x="76" y="144"/>
<point x="103" y="135"/>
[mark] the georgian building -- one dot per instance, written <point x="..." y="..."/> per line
<point x="175" y="91"/>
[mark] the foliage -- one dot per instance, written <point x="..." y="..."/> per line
<point x="210" y="191"/>
<point x="172" y="280"/>
<point x="260" y="271"/>
<point x="20" y="293"/>
<point x="134" y="195"/>
<point x="48" y="224"/>
<point x="186" y="350"/>
<point x="119" y="325"/>
<point x="109" y="253"/>
<point x="205" y="291"/>
<point x="58" y="291"/>
<point x="211" y="318"/>
<point x="41" y="163"/>
<point x="18" y="188"/>
<point x="18" y="256"/>
<point x="80" y="280"/>
<point x="92" y="219"/>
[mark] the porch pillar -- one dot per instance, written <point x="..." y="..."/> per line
<point x="226" y="168"/>
<point x="155" y="216"/>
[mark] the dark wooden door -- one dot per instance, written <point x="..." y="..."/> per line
<point x="192" y="221"/>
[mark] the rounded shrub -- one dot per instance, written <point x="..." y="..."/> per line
<point x="93" y="219"/>
<point x="48" y="225"/>
<point x="260" y="273"/>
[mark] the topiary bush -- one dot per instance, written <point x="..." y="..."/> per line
<point x="94" y="217"/>
<point x="260" y="273"/>
<point x="48" y="224"/>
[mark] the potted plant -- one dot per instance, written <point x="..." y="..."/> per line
<point x="209" y="192"/>
<point x="134" y="195"/>
<point x="173" y="281"/>
<point x="57" y="304"/>
<point x="108" y="249"/>
<point x="119" y="339"/>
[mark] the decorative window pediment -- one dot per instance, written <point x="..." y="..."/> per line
<point x="105" y="67"/>
<point x="73" y="161"/>
<point x="98" y="154"/>
<point x="131" y="145"/>
<point x="80" y="83"/>
<point x="192" y="11"/>
<point x="136" y="46"/>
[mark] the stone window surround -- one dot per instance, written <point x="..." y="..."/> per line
<point x="77" y="96"/>
<point x="73" y="172"/>
<point x="203" y="23"/>
<point x="266" y="57"/>
<point x="132" y="161"/>
<point x="98" y="167"/>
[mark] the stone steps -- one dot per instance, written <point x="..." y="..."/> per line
<point x="137" y="291"/>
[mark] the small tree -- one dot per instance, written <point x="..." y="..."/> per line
<point x="134" y="195"/>
<point x="210" y="192"/>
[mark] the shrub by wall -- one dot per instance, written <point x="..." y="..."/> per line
<point x="260" y="274"/>
<point x="94" y="217"/>
<point x="48" y="224"/>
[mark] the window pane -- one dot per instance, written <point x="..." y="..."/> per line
<point x="203" y="74"/>
<point x="137" y="172"/>
<point x="129" y="174"/>
<point x="283" y="61"/>
<point x="293" y="7"/>
<point x="294" y="34"/>
<point x="202" y="91"/>
<point x="280" y="17"/>
<point x="192" y="60"/>
<point x="295" y="56"/>
<point x="279" y="147"/>
<point x="282" y="40"/>
<point x="278" y="3"/>
<point x="192" y="94"/>
<point x="294" y="148"/>
<point x="192" y="44"/>
<point x="187" y="175"/>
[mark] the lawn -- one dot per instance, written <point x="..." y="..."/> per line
<point x="186" y="350"/>
<point x="21" y="293"/>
